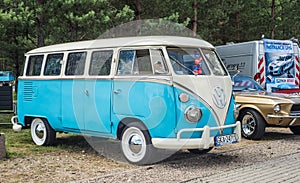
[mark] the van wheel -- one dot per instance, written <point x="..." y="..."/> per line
<point x="253" y="125"/>
<point x="295" y="129"/>
<point x="41" y="132"/>
<point x="136" y="144"/>
<point x="200" y="151"/>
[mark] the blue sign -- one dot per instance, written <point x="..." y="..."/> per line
<point x="279" y="57"/>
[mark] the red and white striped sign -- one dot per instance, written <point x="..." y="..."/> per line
<point x="261" y="70"/>
<point x="244" y="83"/>
<point x="297" y="70"/>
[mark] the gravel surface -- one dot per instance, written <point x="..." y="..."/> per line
<point x="86" y="165"/>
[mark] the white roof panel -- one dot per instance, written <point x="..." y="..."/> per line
<point x="124" y="42"/>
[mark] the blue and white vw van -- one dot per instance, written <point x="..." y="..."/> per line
<point x="152" y="92"/>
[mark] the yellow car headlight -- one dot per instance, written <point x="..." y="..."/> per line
<point x="276" y="108"/>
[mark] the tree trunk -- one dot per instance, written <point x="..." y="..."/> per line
<point x="74" y="31"/>
<point x="195" y="19"/>
<point x="273" y="20"/>
<point x="16" y="59"/>
<point x="40" y="23"/>
<point x="138" y="9"/>
<point x="237" y="18"/>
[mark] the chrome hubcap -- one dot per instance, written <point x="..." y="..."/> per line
<point x="39" y="131"/>
<point x="248" y="124"/>
<point x="135" y="143"/>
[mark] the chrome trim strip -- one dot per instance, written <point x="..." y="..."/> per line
<point x="294" y="122"/>
<point x="125" y="78"/>
<point x="65" y="78"/>
<point x="277" y="116"/>
<point x="162" y="80"/>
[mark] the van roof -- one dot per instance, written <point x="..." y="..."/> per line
<point x="125" y="42"/>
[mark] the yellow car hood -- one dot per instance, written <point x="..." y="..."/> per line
<point x="262" y="95"/>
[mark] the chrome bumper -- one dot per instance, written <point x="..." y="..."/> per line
<point x="294" y="119"/>
<point x="16" y="126"/>
<point x="277" y="116"/>
<point x="194" y="143"/>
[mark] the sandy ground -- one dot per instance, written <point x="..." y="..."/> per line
<point x="106" y="164"/>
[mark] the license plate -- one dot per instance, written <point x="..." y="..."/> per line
<point x="225" y="139"/>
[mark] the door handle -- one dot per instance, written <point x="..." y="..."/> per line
<point x="86" y="92"/>
<point x="118" y="91"/>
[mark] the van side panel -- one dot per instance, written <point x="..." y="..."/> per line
<point x="86" y="106"/>
<point x="73" y="104"/>
<point x="40" y="98"/>
<point x="97" y="105"/>
<point x="150" y="102"/>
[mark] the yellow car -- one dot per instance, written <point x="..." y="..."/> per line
<point x="259" y="109"/>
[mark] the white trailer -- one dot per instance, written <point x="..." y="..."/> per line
<point x="250" y="59"/>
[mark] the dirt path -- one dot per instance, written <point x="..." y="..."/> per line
<point x="86" y="165"/>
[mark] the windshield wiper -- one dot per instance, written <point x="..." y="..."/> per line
<point x="183" y="66"/>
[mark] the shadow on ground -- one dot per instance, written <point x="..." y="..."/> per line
<point x="111" y="149"/>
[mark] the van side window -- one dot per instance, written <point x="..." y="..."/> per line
<point x="100" y="63"/>
<point x="34" y="65"/>
<point x="53" y="64"/>
<point x="158" y="61"/>
<point x="135" y="62"/>
<point x="75" y="63"/>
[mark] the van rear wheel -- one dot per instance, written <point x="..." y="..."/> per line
<point x="136" y="144"/>
<point x="41" y="132"/>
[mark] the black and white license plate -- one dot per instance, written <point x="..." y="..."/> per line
<point x="225" y="139"/>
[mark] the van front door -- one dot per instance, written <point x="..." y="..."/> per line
<point x="142" y="90"/>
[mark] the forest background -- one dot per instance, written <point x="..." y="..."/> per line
<point x="28" y="24"/>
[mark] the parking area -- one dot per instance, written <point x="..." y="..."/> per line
<point x="273" y="159"/>
<point x="283" y="169"/>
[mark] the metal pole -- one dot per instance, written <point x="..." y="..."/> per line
<point x="2" y="146"/>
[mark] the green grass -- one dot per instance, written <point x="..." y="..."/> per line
<point x="5" y="118"/>
<point x="19" y="144"/>
<point x="14" y="96"/>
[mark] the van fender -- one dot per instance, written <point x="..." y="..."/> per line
<point x="124" y="122"/>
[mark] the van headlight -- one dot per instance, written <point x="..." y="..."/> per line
<point x="193" y="114"/>
<point x="276" y="108"/>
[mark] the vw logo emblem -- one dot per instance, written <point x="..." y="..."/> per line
<point x="218" y="96"/>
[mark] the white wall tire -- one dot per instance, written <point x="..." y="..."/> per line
<point x="41" y="132"/>
<point x="136" y="144"/>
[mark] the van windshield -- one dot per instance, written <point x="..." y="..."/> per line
<point x="193" y="61"/>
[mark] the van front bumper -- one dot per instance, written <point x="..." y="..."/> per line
<point x="204" y="142"/>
